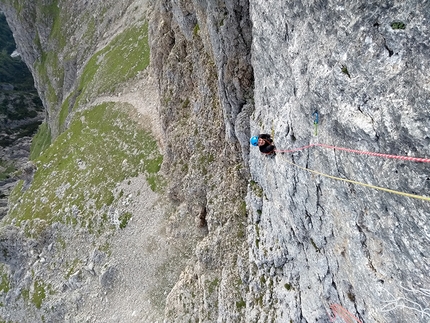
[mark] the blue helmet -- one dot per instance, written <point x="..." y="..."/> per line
<point x="254" y="141"/>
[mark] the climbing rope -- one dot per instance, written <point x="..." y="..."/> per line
<point x="408" y="158"/>
<point x="341" y="312"/>
<point x="355" y="151"/>
<point x="425" y="198"/>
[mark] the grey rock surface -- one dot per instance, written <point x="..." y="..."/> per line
<point x="240" y="237"/>
<point x="323" y="241"/>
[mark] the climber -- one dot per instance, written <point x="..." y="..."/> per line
<point x="265" y="143"/>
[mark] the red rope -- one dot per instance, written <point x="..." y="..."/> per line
<point x="342" y="312"/>
<point x="414" y="159"/>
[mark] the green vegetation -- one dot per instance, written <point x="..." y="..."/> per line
<point x="6" y="37"/>
<point x="259" y="300"/>
<point x="102" y="147"/>
<point x="256" y="188"/>
<point x="25" y="293"/>
<point x="15" y="107"/>
<point x="241" y="232"/>
<point x="121" y="60"/>
<point x="28" y="130"/>
<point x="39" y="294"/>
<point x="53" y="10"/>
<point x="5" y="285"/>
<point x="40" y="141"/>
<point x="314" y="245"/>
<point x="6" y="169"/>
<point x="64" y="112"/>
<point x="18" y="99"/>
<point x="262" y="280"/>
<point x="124" y="218"/>
<point x="243" y="209"/>
<point x="344" y="70"/>
<point x="185" y="104"/>
<point x="49" y="68"/>
<point x="106" y="248"/>
<point x="196" y="30"/>
<point x="213" y="285"/>
<point x="398" y="25"/>
<point x="12" y="69"/>
<point x="72" y="268"/>
<point x="205" y="160"/>
<point x="240" y="304"/>
<point x="287" y="286"/>
<point x="77" y="174"/>
<point x="156" y="183"/>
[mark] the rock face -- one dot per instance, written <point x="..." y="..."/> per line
<point x="364" y="67"/>
<point x="238" y="236"/>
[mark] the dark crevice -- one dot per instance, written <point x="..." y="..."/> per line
<point x="319" y="194"/>
<point x="363" y="241"/>
<point x="307" y="161"/>
<point x="287" y="34"/>
<point x="390" y="51"/>
<point x="336" y="164"/>
<point x="333" y="284"/>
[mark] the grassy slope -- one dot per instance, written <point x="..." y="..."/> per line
<point x="121" y="60"/>
<point x="114" y="142"/>
<point x="102" y="146"/>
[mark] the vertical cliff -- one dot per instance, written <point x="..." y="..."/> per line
<point x="150" y="206"/>
<point x="319" y="241"/>
<point x="110" y="226"/>
<point x="201" y="58"/>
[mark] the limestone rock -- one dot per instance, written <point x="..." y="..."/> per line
<point x="282" y="241"/>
